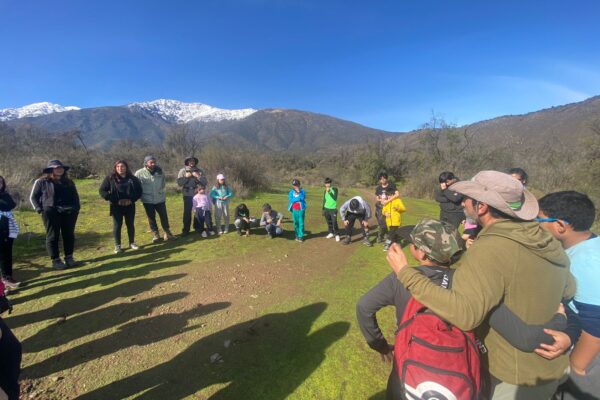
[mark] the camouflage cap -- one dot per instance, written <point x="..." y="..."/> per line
<point x="439" y="240"/>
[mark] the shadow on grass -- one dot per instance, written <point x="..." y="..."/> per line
<point x="270" y="357"/>
<point x="91" y="300"/>
<point x="137" y="333"/>
<point x="378" y="396"/>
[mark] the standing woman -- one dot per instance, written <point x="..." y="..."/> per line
<point x="55" y="197"/>
<point x="9" y="229"/>
<point x="221" y="195"/>
<point x="122" y="189"/>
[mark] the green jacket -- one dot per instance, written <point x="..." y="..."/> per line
<point x="153" y="186"/>
<point x="517" y="263"/>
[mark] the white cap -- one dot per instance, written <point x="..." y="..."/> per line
<point x="220" y="176"/>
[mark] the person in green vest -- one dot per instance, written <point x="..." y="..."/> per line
<point x="330" y="196"/>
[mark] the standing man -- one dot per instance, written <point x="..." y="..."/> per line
<point x="188" y="179"/>
<point x="451" y="210"/>
<point x="513" y="262"/>
<point x="385" y="192"/>
<point x="154" y="197"/>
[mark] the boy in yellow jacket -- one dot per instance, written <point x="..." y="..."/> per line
<point x="392" y="211"/>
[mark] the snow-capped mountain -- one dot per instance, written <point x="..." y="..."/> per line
<point x="179" y="112"/>
<point x="33" y="110"/>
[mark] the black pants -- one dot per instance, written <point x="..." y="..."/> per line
<point x="393" y="235"/>
<point x="394" y="386"/>
<point x="331" y="218"/>
<point x="58" y="224"/>
<point x="10" y="362"/>
<point x="351" y="218"/>
<point x="188" y="204"/>
<point x="202" y="218"/>
<point x="6" y="259"/>
<point x="453" y="218"/>
<point x="380" y="221"/>
<point x="128" y="213"/>
<point x="152" y="210"/>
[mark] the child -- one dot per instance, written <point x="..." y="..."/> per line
<point x="242" y="219"/>
<point x="435" y="245"/>
<point x="392" y="210"/>
<point x="297" y="205"/>
<point x="271" y="220"/>
<point x="330" y="210"/>
<point x="221" y="194"/>
<point x="569" y="216"/>
<point x="202" y="206"/>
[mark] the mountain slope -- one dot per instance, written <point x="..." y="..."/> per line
<point x="33" y="110"/>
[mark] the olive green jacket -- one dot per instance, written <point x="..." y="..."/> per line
<point x="517" y="263"/>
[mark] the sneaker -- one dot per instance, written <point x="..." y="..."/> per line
<point x="366" y="242"/>
<point x="185" y="233"/>
<point x="347" y="240"/>
<point x="168" y="236"/>
<point x="204" y="234"/>
<point x="220" y="232"/>
<point x="226" y="231"/>
<point x="248" y="233"/>
<point x="380" y="239"/>
<point x="337" y="238"/>
<point x="58" y="264"/>
<point x="71" y="263"/>
<point x="134" y="246"/>
<point x="269" y="236"/>
<point x="118" y="249"/>
<point x="386" y="247"/>
<point x="300" y="239"/>
<point x="155" y="237"/>
<point x="211" y="233"/>
<point x="329" y="236"/>
<point x="10" y="283"/>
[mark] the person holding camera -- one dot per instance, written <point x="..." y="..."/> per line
<point x="54" y="196"/>
<point x="122" y="189"/>
<point x="188" y="179"/>
<point x="451" y="210"/>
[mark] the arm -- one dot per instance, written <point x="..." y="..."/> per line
<point x="586" y="349"/>
<point x="36" y="193"/>
<point x="76" y="197"/>
<point x="401" y="206"/>
<point x="279" y="218"/>
<point x="367" y="210"/>
<point x="521" y="335"/>
<point x="333" y="192"/>
<point x="137" y="189"/>
<point x="263" y="219"/>
<point x="181" y="178"/>
<point x="439" y="196"/>
<point x="213" y="193"/>
<point x="343" y="210"/>
<point x="375" y="299"/>
<point x="105" y="189"/>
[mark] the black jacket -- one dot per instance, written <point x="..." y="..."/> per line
<point x="6" y="202"/>
<point x="42" y="195"/>
<point x="450" y="201"/>
<point x="108" y="190"/>
<point x="241" y="213"/>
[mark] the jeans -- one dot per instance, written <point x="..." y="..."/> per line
<point x="10" y="362"/>
<point x="6" y="258"/>
<point x="119" y="213"/>
<point x="298" y="217"/>
<point x="331" y="218"/>
<point x="273" y="229"/>
<point x="161" y="209"/>
<point x="56" y="225"/>
<point x="202" y="218"/>
<point x="241" y="224"/>
<point x="222" y="210"/>
<point x="351" y="218"/>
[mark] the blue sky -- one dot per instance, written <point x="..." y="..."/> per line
<point x="385" y="64"/>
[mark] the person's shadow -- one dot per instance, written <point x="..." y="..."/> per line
<point x="268" y="359"/>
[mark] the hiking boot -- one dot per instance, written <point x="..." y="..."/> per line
<point x="347" y="240"/>
<point x="134" y="246"/>
<point x="329" y="236"/>
<point x="248" y="233"/>
<point x="386" y="246"/>
<point x="118" y="249"/>
<point x="185" y="233"/>
<point x="168" y="236"/>
<point x="58" y="264"/>
<point x="380" y="239"/>
<point x="10" y="283"/>
<point x="71" y="263"/>
<point x="366" y="242"/>
<point x="155" y="237"/>
<point x="337" y="238"/>
<point x="204" y="234"/>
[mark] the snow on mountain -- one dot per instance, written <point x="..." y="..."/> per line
<point x="180" y="112"/>
<point x="33" y="110"/>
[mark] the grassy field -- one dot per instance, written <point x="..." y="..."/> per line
<point x="225" y="317"/>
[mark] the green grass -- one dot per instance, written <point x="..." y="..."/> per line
<point x="145" y="324"/>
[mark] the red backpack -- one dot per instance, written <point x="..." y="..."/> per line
<point x="434" y="359"/>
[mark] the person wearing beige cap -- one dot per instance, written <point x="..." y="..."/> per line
<point x="514" y="262"/>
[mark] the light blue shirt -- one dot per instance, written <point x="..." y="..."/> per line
<point x="585" y="267"/>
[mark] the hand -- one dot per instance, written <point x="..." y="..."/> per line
<point x="443" y="186"/>
<point x="269" y="221"/>
<point x="188" y="174"/>
<point x="196" y="174"/>
<point x="346" y="223"/>
<point x="469" y="242"/>
<point x="396" y="258"/>
<point x="389" y="356"/>
<point x="365" y="224"/>
<point x="384" y="202"/>
<point x="562" y="343"/>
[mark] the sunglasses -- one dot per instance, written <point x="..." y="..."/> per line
<point x="551" y="220"/>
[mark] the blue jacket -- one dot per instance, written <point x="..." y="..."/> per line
<point x="294" y="197"/>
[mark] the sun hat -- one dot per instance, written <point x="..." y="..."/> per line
<point x="438" y="239"/>
<point x="502" y="192"/>
<point x="187" y="160"/>
<point x="220" y="176"/>
<point x="55" y="164"/>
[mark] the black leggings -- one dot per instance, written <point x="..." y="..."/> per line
<point x="10" y="362"/>
<point x="6" y="259"/>
<point x="119" y="213"/>
<point x="331" y="218"/>
<point x="58" y="224"/>
<point x="351" y="218"/>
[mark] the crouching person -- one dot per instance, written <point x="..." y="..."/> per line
<point x="351" y="211"/>
<point x="271" y="220"/>
<point x="242" y="221"/>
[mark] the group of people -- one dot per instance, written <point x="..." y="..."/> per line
<point x="509" y="284"/>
